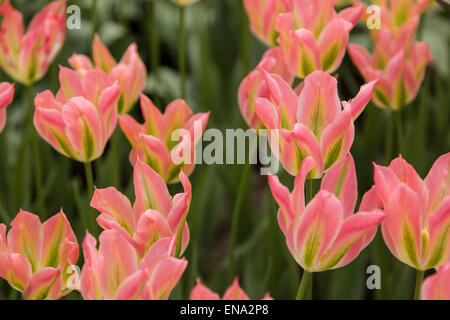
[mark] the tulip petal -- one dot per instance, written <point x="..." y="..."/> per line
<point x="200" y="292"/>
<point x="235" y="292"/>
<point x="134" y="287"/>
<point x="101" y="55"/>
<point x="165" y="277"/>
<point x="438" y="181"/>
<point x="16" y="269"/>
<point x="43" y="284"/>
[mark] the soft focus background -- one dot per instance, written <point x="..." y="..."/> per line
<point x="221" y="51"/>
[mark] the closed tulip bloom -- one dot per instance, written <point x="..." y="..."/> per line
<point x="312" y="124"/>
<point x="6" y="97"/>
<point x="25" y="57"/>
<point x="437" y="286"/>
<point x="36" y="259"/>
<point x="156" y="142"/>
<point x="116" y="272"/>
<point x="234" y="292"/>
<point x="399" y="64"/>
<point x="263" y="17"/>
<point x="326" y="234"/>
<point x="254" y="85"/>
<point x="313" y="36"/>
<point x="130" y="72"/>
<point x="154" y="215"/>
<point x="417" y="224"/>
<point x="82" y="117"/>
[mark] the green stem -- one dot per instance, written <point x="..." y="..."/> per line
<point x="304" y="285"/>
<point x="93" y="19"/>
<point x="36" y="156"/>
<point x="236" y="216"/>
<point x="400" y="133"/>
<point x="182" y="52"/>
<point x="90" y="191"/>
<point x="419" y="279"/>
<point x="389" y="138"/>
<point x="89" y="179"/>
<point x="154" y="40"/>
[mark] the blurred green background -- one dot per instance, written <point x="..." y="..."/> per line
<point x="220" y="52"/>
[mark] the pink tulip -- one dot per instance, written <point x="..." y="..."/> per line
<point x="154" y="215"/>
<point x="116" y="272"/>
<point x="82" y="117"/>
<point x="263" y="17"/>
<point x="313" y="36"/>
<point x="437" y="286"/>
<point x="6" y="97"/>
<point x="254" y="86"/>
<point x="417" y="224"/>
<point x="398" y="15"/>
<point x="399" y="64"/>
<point x="326" y="234"/>
<point x="36" y="258"/>
<point x="130" y="72"/>
<point x="234" y="292"/>
<point x="312" y="124"/>
<point x="152" y="141"/>
<point x="26" y="57"/>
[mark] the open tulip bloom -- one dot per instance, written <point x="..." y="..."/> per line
<point x="437" y="286"/>
<point x="116" y="272"/>
<point x="325" y="234"/>
<point x="130" y="72"/>
<point x="154" y="215"/>
<point x="417" y="225"/>
<point x="234" y="292"/>
<point x="153" y="141"/>
<point x="26" y="57"/>
<point x="313" y="36"/>
<point x="6" y="97"/>
<point x="35" y="258"/>
<point x="311" y="124"/>
<point x="82" y="117"/>
<point x="399" y="65"/>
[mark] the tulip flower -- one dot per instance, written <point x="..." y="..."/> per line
<point x="397" y="15"/>
<point x="326" y="234"/>
<point x="155" y="142"/>
<point x="36" y="258"/>
<point x="313" y="36"/>
<point x="417" y="224"/>
<point x="130" y="72"/>
<point x="6" y="97"/>
<point x="25" y="57"/>
<point x="154" y="215"/>
<point x="254" y="86"/>
<point x="263" y="17"/>
<point x="399" y="64"/>
<point x="82" y="117"/>
<point x="115" y="271"/>
<point x="312" y="124"/>
<point x="437" y="286"/>
<point x="234" y="292"/>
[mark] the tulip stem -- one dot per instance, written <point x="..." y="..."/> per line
<point x="154" y="41"/>
<point x="419" y="279"/>
<point x="93" y="19"/>
<point x="389" y="138"/>
<point x="182" y="52"/>
<point x="309" y="190"/>
<point x="36" y="156"/>
<point x="90" y="191"/>
<point x="400" y="134"/>
<point x="236" y="216"/>
<point x="305" y="284"/>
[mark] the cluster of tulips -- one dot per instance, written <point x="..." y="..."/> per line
<point x="141" y="246"/>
